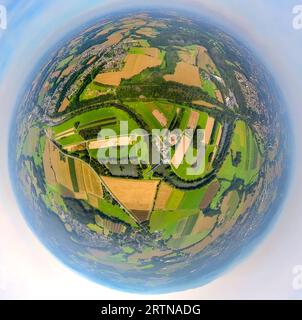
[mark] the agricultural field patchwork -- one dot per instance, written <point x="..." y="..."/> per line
<point x="79" y="157"/>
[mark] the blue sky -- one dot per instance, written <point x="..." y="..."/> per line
<point x="33" y="26"/>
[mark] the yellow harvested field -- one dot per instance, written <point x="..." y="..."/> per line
<point x="219" y="136"/>
<point x="109" y="78"/>
<point x="55" y="74"/>
<point x="92" y="181"/>
<point x="135" y="195"/>
<point x="104" y="31"/>
<point x="163" y="196"/>
<point x="202" y="103"/>
<point x="203" y="59"/>
<point x="209" y="195"/>
<point x="148" y="32"/>
<point x="46" y="86"/>
<point x="67" y="71"/>
<point x="75" y="147"/>
<point x="91" y="60"/>
<point x="193" y="120"/>
<point x="217" y="143"/>
<point x="64" y="105"/>
<point x="208" y="130"/>
<point x="160" y="117"/>
<point x="57" y="172"/>
<point x="219" y="96"/>
<point x="130" y="22"/>
<point x="66" y="133"/>
<point x="185" y="74"/>
<point x="112" y="142"/>
<point x="79" y="176"/>
<point x="108" y="225"/>
<point x="47" y="165"/>
<point x="93" y="200"/>
<point x="180" y="151"/>
<point x="152" y="52"/>
<point x="136" y="63"/>
<point x="125" y="30"/>
<point x="204" y="223"/>
<point x="187" y="57"/>
<point x="113" y="39"/>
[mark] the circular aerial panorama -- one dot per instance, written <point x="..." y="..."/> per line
<point x="149" y="151"/>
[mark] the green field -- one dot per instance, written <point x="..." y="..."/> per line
<point x="95" y="228"/>
<point x="167" y="221"/>
<point x="38" y="156"/>
<point x="74" y="139"/>
<point x="185" y="119"/>
<point x="243" y="143"/>
<point x="186" y="200"/>
<point x="233" y="204"/>
<point x="203" y="118"/>
<point x="162" y="57"/>
<point x="145" y="109"/>
<point x="176" y="226"/>
<point x="192" y="198"/>
<point x="64" y="62"/>
<point x="128" y="250"/>
<point x="84" y="118"/>
<point x="187" y="241"/>
<point x="209" y="87"/>
<point x="116" y="212"/>
<point x="144" y="43"/>
<point x="175" y="199"/>
<point x="94" y="90"/>
<point x="137" y="50"/>
<point x="181" y="171"/>
<point x="31" y="142"/>
<point x="33" y="145"/>
<point x="101" y="117"/>
<point x="215" y="133"/>
<point x="73" y="175"/>
<point x="224" y="185"/>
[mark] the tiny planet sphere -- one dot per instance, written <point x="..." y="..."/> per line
<point x="132" y="209"/>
